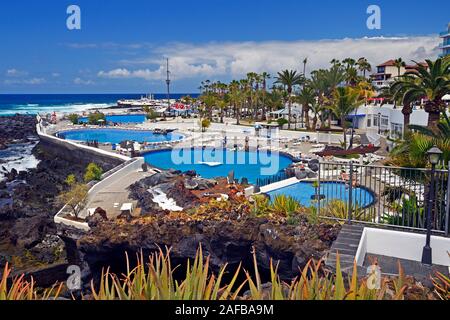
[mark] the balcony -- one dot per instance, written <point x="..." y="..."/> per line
<point x="444" y="34"/>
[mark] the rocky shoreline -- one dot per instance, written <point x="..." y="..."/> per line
<point x="28" y="235"/>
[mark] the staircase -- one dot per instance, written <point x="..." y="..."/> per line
<point x="346" y="244"/>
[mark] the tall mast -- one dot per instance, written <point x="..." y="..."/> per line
<point x="168" y="86"/>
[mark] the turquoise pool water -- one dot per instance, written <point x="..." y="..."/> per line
<point x="121" y="118"/>
<point x="302" y="191"/>
<point x="251" y="165"/>
<point x="118" y="135"/>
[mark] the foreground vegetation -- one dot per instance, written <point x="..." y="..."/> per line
<point x="154" y="280"/>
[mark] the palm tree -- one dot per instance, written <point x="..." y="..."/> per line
<point x="345" y="101"/>
<point x="289" y="79"/>
<point x="305" y="61"/>
<point x="235" y="96"/>
<point x="412" y="152"/>
<point x="324" y="83"/>
<point x="264" y="77"/>
<point x="399" y="64"/>
<point x="364" y="66"/>
<point x="396" y="92"/>
<point x="430" y="82"/>
<point x="317" y="109"/>
<point x="335" y="62"/>
<point x="306" y="98"/>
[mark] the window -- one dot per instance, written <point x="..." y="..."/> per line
<point x="396" y="130"/>
<point x="375" y="120"/>
<point x="384" y="121"/>
<point x="369" y="121"/>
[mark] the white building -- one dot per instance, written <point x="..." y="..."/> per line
<point x="386" y="120"/>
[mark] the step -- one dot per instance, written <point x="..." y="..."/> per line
<point x="348" y="238"/>
<point x="341" y="250"/>
<point x="353" y="227"/>
<point x="349" y="231"/>
<point x="343" y="257"/>
<point x="339" y="243"/>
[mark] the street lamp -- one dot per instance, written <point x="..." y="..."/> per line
<point x="379" y="123"/>
<point x="434" y="154"/>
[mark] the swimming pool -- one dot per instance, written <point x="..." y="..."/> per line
<point x="118" y="135"/>
<point x="121" y="118"/>
<point x="213" y="163"/>
<point x="302" y="191"/>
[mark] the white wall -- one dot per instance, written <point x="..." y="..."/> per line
<point x="394" y="116"/>
<point x="402" y="245"/>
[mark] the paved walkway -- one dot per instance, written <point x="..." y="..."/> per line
<point x="112" y="197"/>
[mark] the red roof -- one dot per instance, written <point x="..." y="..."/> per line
<point x="388" y="63"/>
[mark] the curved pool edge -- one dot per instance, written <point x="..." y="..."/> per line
<point x="183" y="136"/>
<point x="275" y="186"/>
<point x="148" y="152"/>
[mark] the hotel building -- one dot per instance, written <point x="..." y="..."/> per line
<point x="445" y="46"/>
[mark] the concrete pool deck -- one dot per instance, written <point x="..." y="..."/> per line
<point x="285" y="139"/>
<point x="115" y="193"/>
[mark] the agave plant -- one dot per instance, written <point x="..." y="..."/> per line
<point x="441" y="285"/>
<point x="21" y="289"/>
<point x="312" y="284"/>
<point x="339" y="209"/>
<point x="158" y="282"/>
<point x="285" y="205"/>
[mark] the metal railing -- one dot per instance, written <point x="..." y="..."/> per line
<point x="282" y="175"/>
<point x="392" y="196"/>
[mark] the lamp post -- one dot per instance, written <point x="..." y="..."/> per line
<point x="379" y="123"/>
<point x="434" y="155"/>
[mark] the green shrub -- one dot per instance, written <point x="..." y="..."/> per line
<point x="93" y="173"/>
<point x="95" y="117"/>
<point x="71" y="180"/>
<point x="151" y="115"/>
<point x="282" y="121"/>
<point x="74" y="118"/>
<point x="205" y="124"/>
<point x="285" y="205"/>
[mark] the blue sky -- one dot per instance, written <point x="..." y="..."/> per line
<point x="122" y="44"/>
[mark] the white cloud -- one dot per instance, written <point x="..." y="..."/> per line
<point x="235" y="59"/>
<point x="80" y="81"/>
<point x="32" y="81"/>
<point x="15" y="73"/>
<point x="125" y="73"/>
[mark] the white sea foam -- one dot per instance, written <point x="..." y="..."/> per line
<point x="18" y="157"/>
<point x="36" y="108"/>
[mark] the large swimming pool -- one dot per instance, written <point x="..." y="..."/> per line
<point x="121" y="118"/>
<point x="118" y="135"/>
<point x="302" y="191"/>
<point x="212" y="163"/>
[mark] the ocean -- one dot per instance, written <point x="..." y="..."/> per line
<point x="11" y="104"/>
